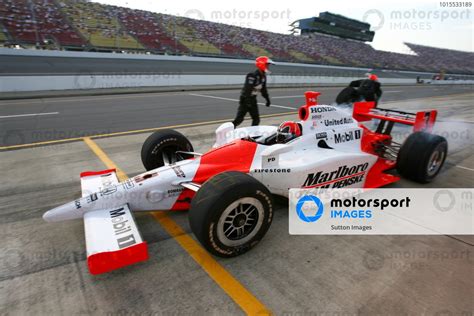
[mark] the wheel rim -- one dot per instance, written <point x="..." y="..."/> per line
<point x="436" y="160"/>
<point x="240" y="222"/>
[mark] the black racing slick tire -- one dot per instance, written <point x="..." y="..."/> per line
<point x="161" y="146"/>
<point x="231" y="213"/>
<point x="422" y="156"/>
<point x="347" y="95"/>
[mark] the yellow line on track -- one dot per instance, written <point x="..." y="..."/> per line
<point x="138" y="131"/>
<point x="241" y="296"/>
<point x="236" y="291"/>
<point x="105" y="159"/>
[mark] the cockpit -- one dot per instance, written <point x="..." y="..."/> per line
<point x="286" y="132"/>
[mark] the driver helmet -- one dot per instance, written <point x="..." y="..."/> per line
<point x="288" y="131"/>
<point x="263" y="63"/>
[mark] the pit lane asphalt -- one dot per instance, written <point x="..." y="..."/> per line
<point x="73" y="117"/>
<point x="43" y="268"/>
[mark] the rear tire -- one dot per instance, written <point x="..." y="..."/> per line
<point x="347" y="95"/>
<point x="231" y="213"/>
<point x="422" y="156"/>
<point x="161" y="146"/>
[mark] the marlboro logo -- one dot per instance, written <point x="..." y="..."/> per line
<point x="342" y="176"/>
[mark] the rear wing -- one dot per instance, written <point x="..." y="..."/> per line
<point x="421" y="121"/>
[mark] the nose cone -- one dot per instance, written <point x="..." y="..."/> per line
<point x="54" y="215"/>
<point x="48" y="216"/>
<point x="64" y="212"/>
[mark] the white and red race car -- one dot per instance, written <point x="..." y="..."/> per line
<point x="229" y="189"/>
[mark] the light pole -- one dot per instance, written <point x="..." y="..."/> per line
<point x="33" y="15"/>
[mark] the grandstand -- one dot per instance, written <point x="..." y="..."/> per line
<point x="299" y="56"/>
<point x="84" y="25"/>
<point x="100" y="25"/>
<point x="443" y="59"/>
<point x="188" y="36"/>
<point x="37" y="21"/>
<point x="3" y="36"/>
<point x="147" y="28"/>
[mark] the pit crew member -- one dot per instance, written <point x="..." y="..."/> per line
<point x="255" y="82"/>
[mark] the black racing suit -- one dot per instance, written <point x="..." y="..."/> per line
<point x="369" y="89"/>
<point x="254" y="82"/>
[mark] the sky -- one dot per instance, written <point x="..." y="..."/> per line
<point x="422" y="22"/>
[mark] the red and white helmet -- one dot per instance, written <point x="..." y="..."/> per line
<point x="262" y="63"/>
<point x="287" y="131"/>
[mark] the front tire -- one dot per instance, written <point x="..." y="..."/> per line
<point x="231" y="213"/>
<point x="422" y="156"/>
<point x="161" y="146"/>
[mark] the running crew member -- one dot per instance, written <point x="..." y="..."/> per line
<point x="254" y="82"/>
<point x="369" y="88"/>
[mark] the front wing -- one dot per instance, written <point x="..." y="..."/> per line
<point x="112" y="238"/>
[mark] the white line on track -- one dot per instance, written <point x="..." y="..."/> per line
<point x="302" y="95"/>
<point x="26" y="115"/>
<point x="456" y="121"/>
<point x="236" y="100"/>
<point x="289" y="96"/>
<point x="465" y="168"/>
<point x="83" y="98"/>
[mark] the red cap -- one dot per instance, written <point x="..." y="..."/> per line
<point x="373" y="77"/>
<point x="262" y="63"/>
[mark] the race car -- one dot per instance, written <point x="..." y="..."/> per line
<point x="229" y="189"/>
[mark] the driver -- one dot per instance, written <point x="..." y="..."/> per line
<point x="288" y="131"/>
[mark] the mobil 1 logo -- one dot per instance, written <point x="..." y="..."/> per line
<point x="348" y="136"/>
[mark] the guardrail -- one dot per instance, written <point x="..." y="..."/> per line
<point x="34" y="70"/>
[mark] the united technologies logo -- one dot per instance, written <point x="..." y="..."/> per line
<point x="308" y="205"/>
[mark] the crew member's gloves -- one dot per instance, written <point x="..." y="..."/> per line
<point x="268" y="102"/>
